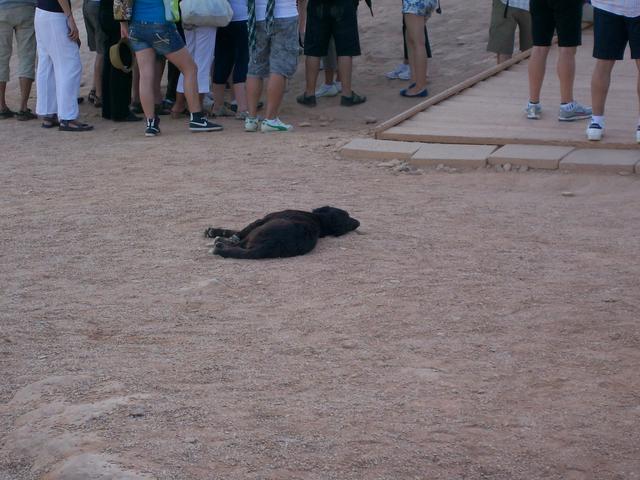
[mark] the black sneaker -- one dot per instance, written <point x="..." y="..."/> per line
<point x="200" y="123"/>
<point x="308" y="100"/>
<point x="153" y="127"/>
<point x="352" y="100"/>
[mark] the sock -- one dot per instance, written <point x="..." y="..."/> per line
<point x="196" y="116"/>
<point x="534" y="103"/>
<point x="599" y="119"/>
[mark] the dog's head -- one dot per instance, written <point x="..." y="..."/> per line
<point x="334" y="221"/>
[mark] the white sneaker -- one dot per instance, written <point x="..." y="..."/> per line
<point x="274" y="125"/>
<point x="405" y="74"/>
<point x="533" y="111"/>
<point x="251" y="124"/>
<point x="338" y="86"/>
<point x="403" y="68"/>
<point x="595" y="132"/>
<point x="327" y="90"/>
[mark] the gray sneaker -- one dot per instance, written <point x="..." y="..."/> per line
<point x="574" y="111"/>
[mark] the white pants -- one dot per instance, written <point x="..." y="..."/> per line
<point x="59" y="68"/>
<point x="201" y="43"/>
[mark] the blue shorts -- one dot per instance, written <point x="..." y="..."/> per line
<point x="162" y="37"/>
<point x="611" y="34"/>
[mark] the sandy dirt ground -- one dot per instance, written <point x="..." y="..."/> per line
<point x="481" y="325"/>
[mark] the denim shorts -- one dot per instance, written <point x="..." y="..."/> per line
<point x="422" y="8"/>
<point x="162" y="37"/>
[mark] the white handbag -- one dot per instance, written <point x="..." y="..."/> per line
<point x="206" y="13"/>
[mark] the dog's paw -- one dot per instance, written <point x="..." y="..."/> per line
<point x="218" y="247"/>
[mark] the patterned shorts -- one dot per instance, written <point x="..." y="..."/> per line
<point x="419" y="7"/>
<point x="276" y="52"/>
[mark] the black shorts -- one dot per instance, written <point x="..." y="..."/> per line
<point x="332" y="18"/>
<point x="231" y="53"/>
<point x="612" y="32"/>
<point x="563" y="16"/>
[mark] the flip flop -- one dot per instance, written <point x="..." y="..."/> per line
<point x="6" y="113"/>
<point x="50" y="122"/>
<point x="24" y="115"/>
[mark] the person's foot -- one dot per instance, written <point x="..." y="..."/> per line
<point x="572" y="111"/>
<point x="50" y="121"/>
<point x="353" y="99"/>
<point x="327" y="90"/>
<point x="6" y="112"/>
<point x="405" y="74"/>
<point x="200" y="123"/>
<point x="533" y="111"/>
<point x="24" y="115"/>
<point x="307" y="100"/>
<point x="136" y="107"/>
<point x="251" y="124"/>
<point x="274" y="125"/>
<point x="595" y="132"/>
<point x="638" y="134"/>
<point x="74" y="126"/>
<point x="223" y="111"/>
<point x="338" y="85"/>
<point x="242" y="115"/>
<point x="402" y="69"/>
<point x="413" y="92"/>
<point x="153" y="127"/>
<point x="162" y="109"/>
<point x="129" y="118"/>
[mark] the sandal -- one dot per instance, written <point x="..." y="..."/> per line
<point x="6" y="113"/>
<point x="97" y="101"/>
<point x="92" y="96"/>
<point x="24" y="115"/>
<point x="50" y="121"/>
<point x="74" y="126"/>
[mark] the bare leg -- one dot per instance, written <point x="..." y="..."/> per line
<point x="25" y="91"/>
<point x="147" y="66"/>
<point x="566" y="72"/>
<point x="135" y="85"/>
<point x="329" y="75"/>
<point x="3" y="92"/>
<point x="254" y="92"/>
<point x="417" y="51"/>
<point x="537" y="67"/>
<point x="97" y="74"/>
<point x="218" y="94"/>
<point x="240" y="94"/>
<point x="600" y="81"/>
<point x="275" y="93"/>
<point x="311" y="67"/>
<point x="182" y="59"/>
<point x="503" y="57"/>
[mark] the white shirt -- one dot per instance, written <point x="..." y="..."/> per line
<point x="626" y="8"/>
<point x="239" y="8"/>
<point x="523" y="4"/>
<point x="283" y="9"/>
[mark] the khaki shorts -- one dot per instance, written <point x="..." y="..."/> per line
<point x="18" y="20"/>
<point x="503" y="30"/>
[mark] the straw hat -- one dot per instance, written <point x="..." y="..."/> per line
<point x="122" y="56"/>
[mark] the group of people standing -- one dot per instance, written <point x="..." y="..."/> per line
<point x="616" y="25"/>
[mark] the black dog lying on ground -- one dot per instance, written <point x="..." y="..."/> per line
<point x="281" y="234"/>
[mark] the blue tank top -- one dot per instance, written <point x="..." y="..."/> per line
<point x="151" y="11"/>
